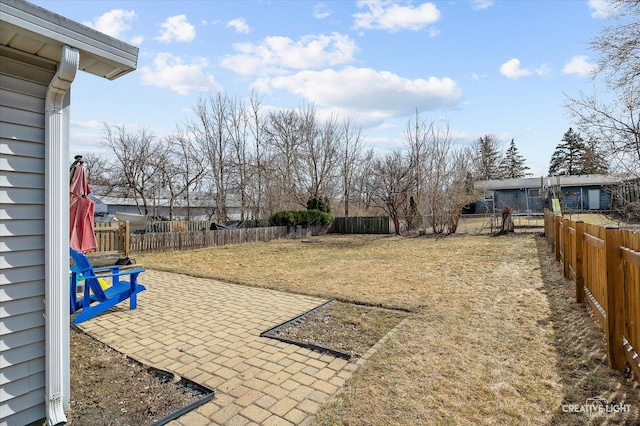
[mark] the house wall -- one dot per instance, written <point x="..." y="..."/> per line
<point x="520" y="200"/>
<point x="23" y="86"/>
<point x="577" y="198"/>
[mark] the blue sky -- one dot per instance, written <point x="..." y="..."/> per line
<point x="498" y="67"/>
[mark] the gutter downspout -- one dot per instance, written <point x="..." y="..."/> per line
<point x="57" y="237"/>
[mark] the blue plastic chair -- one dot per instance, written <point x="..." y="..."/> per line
<point x="95" y="299"/>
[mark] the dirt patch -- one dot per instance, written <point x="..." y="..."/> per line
<point x="341" y="327"/>
<point x="108" y="388"/>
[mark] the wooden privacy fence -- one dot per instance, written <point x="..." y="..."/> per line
<point x="112" y="237"/>
<point x="116" y="237"/>
<point x="360" y="225"/>
<point x="177" y="225"/>
<point x="604" y="264"/>
<point x="168" y="241"/>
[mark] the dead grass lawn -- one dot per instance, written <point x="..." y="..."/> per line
<point x="495" y="337"/>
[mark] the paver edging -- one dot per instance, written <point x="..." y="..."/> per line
<point x="270" y="333"/>
<point x="373" y="349"/>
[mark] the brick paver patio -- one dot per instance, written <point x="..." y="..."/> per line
<point x="208" y="332"/>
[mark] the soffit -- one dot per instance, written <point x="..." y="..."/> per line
<point x="37" y="31"/>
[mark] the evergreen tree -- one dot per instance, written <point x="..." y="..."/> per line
<point x="319" y="203"/>
<point x="513" y="164"/>
<point x="594" y="162"/>
<point x="568" y="158"/>
<point x="487" y="158"/>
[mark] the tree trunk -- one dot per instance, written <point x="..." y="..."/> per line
<point x="507" y="222"/>
<point x="396" y="223"/>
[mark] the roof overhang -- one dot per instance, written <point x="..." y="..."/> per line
<point x="28" y="28"/>
<point x="488" y="185"/>
<point x="542" y="182"/>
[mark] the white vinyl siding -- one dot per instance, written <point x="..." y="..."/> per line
<point x="23" y="87"/>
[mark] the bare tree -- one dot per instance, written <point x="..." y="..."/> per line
<point x="238" y="130"/>
<point x="319" y="151"/>
<point x="615" y="124"/>
<point x="97" y="169"/>
<point x="210" y="132"/>
<point x="257" y="170"/>
<point x="415" y="134"/>
<point x="137" y="161"/>
<point x="283" y="134"/>
<point x="183" y="170"/>
<point x="350" y="151"/>
<point x="391" y="184"/>
<point x="437" y="171"/>
<point x="619" y="46"/>
<point x="363" y="179"/>
<point x="444" y="170"/>
<point x="456" y="186"/>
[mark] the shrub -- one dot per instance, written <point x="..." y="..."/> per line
<point x="290" y="218"/>
<point x="283" y="218"/>
<point x="319" y="203"/>
<point x="314" y="217"/>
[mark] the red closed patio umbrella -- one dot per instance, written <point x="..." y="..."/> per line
<point x="81" y="234"/>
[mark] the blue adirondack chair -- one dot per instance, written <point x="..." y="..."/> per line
<point x="95" y="299"/>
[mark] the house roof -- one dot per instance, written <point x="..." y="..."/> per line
<point x="28" y="28"/>
<point x="489" y="185"/>
<point x="543" y="182"/>
<point x="584" y="180"/>
<point x="196" y="202"/>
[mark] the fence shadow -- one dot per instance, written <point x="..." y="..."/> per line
<point x="582" y="364"/>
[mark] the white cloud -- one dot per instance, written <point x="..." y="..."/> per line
<point x="113" y="23"/>
<point x="379" y="93"/>
<point x="239" y="25"/>
<point x="137" y="40"/>
<point x="81" y="143"/>
<point x="511" y="69"/>
<point x="273" y="55"/>
<point x="383" y="145"/>
<point x="481" y="4"/>
<point x="177" y="28"/>
<point x="543" y="70"/>
<point x="390" y="16"/>
<point x="478" y="77"/>
<point x="92" y="124"/>
<point x="321" y="11"/>
<point x="173" y="73"/>
<point x="601" y="8"/>
<point x="579" y="65"/>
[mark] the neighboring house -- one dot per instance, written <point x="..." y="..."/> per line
<point x="200" y="205"/>
<point x="532" y="195"/>
<point x="522" y="195"/>
<point x="40" y="53"/>
<point x="588" y="192"/>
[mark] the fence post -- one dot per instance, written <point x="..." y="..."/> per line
<point x="127" y="239"/>
<point x="556" y="236"/>
<point x="547" y="218"/>
<point x="615" y="299"/>
<point x="565" y="248"/>
<point x="577" y="264"/>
